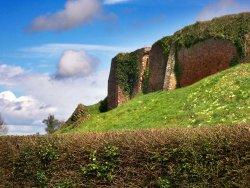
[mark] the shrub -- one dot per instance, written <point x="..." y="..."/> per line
<point x="103" y="166"/>
<point x="103" y="105"/>
<point x="41" y="178"/>
<point x="176" y="157"/>
<point x="65" y="184"/>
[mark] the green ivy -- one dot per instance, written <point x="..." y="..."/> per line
<point x="165" y="44"/>
<point x="127" y="71"/>
<point x="232" y="28"/>
<point x="145" y="81"/>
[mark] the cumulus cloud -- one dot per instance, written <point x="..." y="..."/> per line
<point x="48" y="95"/>
<point x="24" y="109"/>
<point x="74" y="14"/>
<point x="76" y="64"/>
<point x="222" y="7"/>
<point x="111" y="2"/>
<point x="7" y="72"/>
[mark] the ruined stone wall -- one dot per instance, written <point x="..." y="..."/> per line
<point x="170" y="81"/>
<point x="204" y="59"/>
<point x="186" y="66"/>
<point x="157" y="68"/>
<point x="143" y="55"/>
<point x="247" y="46"/>
<point x="116" y="93"/>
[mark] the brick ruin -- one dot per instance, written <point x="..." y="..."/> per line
<point x="157" y="67"/>
<point x="171" y="65"/>
<point x="194" y="63"/>
<point x="116" y="93"/>
<point x="79" y="115"/>
<point x="204" y="59"/>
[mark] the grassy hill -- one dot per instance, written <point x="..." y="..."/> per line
<point x="223" y="98"/>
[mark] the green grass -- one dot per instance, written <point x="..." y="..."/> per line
<point x="219" y="99"/>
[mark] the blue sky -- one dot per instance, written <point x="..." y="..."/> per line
<point x="75" y="40"/>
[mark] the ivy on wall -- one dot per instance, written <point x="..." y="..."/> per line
<point x="232" y="28"/>
<point x="127" y="71"/>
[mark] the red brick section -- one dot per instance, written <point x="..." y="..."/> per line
<point x="204" y="59"/>
<point x="157" y="67"/>
<point x="116" y="95"/>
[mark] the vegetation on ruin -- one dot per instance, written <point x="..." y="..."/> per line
<point x="127" y="71"/>
<point x="232" y="27"/>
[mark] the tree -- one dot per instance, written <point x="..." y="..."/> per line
<point x="52" y="124"/>
<point x="3" y="127"/>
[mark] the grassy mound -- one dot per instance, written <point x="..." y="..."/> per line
<point x="223" y="98"/>
<point x="174" y="157"/>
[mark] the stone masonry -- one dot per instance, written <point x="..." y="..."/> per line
<point x="170" y="77"/>
<point x="204" y="59"/>
<point x="116" y="95"/>
<point x="157" y="68"/>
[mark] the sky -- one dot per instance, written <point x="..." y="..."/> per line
<point x="57" y="54"/>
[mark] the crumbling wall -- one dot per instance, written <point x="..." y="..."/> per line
<point x="143" y="55"/>
<point x="170" y="81"/>
<point x="79" y="115"/>
<point x="117" y="93"/>
<point x="157" y="67"/>
<point x="203" y="59"/>
<point x="247" y="46"/>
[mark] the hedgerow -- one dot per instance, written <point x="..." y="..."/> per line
<point x="174" y="157"/>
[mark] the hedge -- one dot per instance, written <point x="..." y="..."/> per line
<point x="174" y="157"/>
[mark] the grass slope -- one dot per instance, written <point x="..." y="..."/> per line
<point x="219" y="99"/>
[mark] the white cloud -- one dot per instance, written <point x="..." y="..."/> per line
<point x="7" y="72"/>
<point x="222" y="7"/>
<point x="76" y="64"/>
<point x="58" y="48"/>
<point x="48" y="94"/>
<point x="24" y="109"/>
<point x="111" y="2"/>
<point x="74" y="14"/>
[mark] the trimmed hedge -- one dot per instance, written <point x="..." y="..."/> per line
<point x="175" y="157"/>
